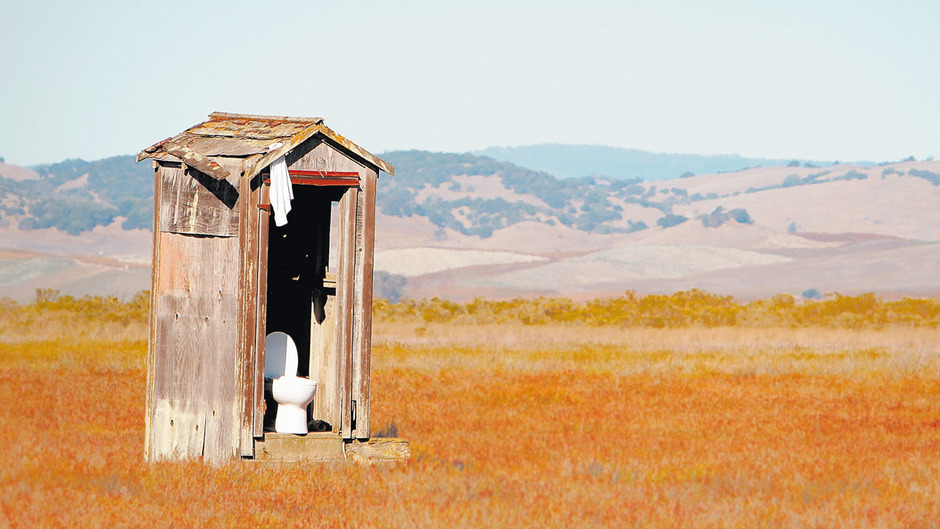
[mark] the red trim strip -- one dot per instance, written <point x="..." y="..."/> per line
<point x="348" y="182"/>
<point x="322" y="178"/>
<point x="325" y="174"/>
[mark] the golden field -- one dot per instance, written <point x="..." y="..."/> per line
<point x="789" y="416"/>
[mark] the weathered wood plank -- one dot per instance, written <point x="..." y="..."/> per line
<point x="323" y="320"/>
<point x="195" y="348"/>
<point x="261" y="307"/>
<point x="191" y="203"/>
<point x="247" y="311"/>
<point x="324" y="367"/>
<point x="345" y="293"/>
<point x="362" y="330"/>
<point x="377" y="450"/>
<point x="154" y="283"/>
<point x="196" y="160"/>
<point x="276" y="447"/>
<point x="314" y="446"/>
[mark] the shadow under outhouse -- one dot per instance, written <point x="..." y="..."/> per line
<point x="225" y="276"/>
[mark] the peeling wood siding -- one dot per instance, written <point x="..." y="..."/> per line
<point x="362" y="324"/>
<point x="323" y="322"/>
<point x="195" y="159"/>
<point x="260" y="309"/>
<point x="192" y="203"/>
<point x="247" y="349"/>
<point x="154" y="282"/>
<point x="345" y="297"/>
<point x="196" y="349"/>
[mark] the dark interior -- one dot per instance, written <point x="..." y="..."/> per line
<point x="298" y="255"/>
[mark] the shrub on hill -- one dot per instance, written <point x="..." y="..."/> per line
<point x="933" y="178"/>
<point x="670" y="220"/>
<point x="792" y="180"/>
<point x="388" y="286"/>
<point x="852" y="175"/>
<point x="719" y="216"/>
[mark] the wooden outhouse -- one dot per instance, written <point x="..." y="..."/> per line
<point x="225" y="276"/>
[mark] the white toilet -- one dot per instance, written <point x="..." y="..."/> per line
<point x="292" y="393"/>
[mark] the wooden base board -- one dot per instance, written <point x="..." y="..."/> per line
<point x="380" y="449"/>
<point x="327" y="446"/>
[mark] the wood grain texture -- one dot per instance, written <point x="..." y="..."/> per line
<point x="378" y="450"/>
<point x="362" y="322"/>
<point x="261" y="311"/>
<point x="196" y="160"/>
<point x="154" y="282"/>
<point x="247" y="312"/>
<point x="195" y="349"/>
<point x="323" y="319"/>
<point x="345" y="294"/>
<point x="193" y="203"/>
<point x="292" y="448"/>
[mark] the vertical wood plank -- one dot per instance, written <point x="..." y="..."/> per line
<point x="261" y="308"/>
<point x="345" y="289"/>
<point x="323" y="320"/>
<point x="362" y="330"/>
<point x="154" y="285"/>
<point x="247" y="311"/>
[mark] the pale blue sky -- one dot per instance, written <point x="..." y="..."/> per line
<point x="843" y="80"/>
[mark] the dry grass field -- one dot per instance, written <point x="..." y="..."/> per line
<point x="511" y="425"/>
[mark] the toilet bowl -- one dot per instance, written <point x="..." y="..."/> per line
<point x="291" y="392"/>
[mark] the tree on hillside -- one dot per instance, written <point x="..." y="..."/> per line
<point x="792" y="180"/>
<point x="388" y="286"/>
<point x="719" y="216"/>
<point x="670" y="220"/>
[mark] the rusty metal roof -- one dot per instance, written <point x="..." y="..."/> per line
<point x="252" y="137"/>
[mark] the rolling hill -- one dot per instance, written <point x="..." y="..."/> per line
<point x="462" y="225"/>
<point x="569" y="161"/>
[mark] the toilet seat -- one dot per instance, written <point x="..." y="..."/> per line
<point x="280" y="355"/>
<point x="292" y="393"/>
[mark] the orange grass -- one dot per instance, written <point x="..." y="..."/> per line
<point x="516" y="426"/>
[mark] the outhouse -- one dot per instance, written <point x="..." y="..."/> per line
<point x="226" y="275"/>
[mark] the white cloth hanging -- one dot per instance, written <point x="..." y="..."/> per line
<point x="281" y="192"/>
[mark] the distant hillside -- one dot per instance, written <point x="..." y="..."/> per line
<point x="460" y="226"/>
<point x="476" y="195"/>
<point x="75" y="196"/>
<point x="569" y="161"/>
<point x="465" y="193"/>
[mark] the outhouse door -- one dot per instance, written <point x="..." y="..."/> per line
<point x="315" y="284"/>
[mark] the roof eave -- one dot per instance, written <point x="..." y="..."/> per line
<point x="309" y="132"/>
<point x="311" y="127"/>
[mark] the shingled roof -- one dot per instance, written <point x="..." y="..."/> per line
<point x="250" y="137"/>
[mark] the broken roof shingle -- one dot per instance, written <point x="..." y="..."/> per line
<point x="249" y="136"/>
